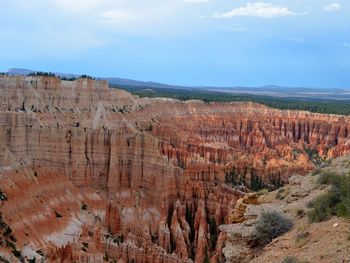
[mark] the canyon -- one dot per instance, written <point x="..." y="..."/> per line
<point x="94" y="174"/>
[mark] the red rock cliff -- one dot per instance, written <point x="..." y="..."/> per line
<point x="91" y="174"/>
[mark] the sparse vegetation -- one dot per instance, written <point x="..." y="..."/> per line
<point x="328" y="178"/>
<point x="84" y="76"/>
<point x="190" y="220"/>
<point x="7" y="235"/>
<point x="335" y="202"/>
<point x="311" y="152"/>
<point x="206" y="257"/>
<point x="323" y="207"/>
<point x="263" y="191"/>
<point x="300" y="213"/>
<point x="57" y="215"/>
<point x="290" y="259"/>
<point x="315" y="157"/>
<point x="18" y="255"/>
<point x="256" y="183"/>
<point x="276" y="182"/>
<point x="114" y="238"/>
<point x="4" y="260"/>
<point x="281" y="194"/>
<point x="84" y="206"/>
<point x="270" y="226"/>
<point x="214" y="232"/>
<point x="3" y="196"/>
<point x="66" y="78"/>
<point x="316" y="171"/>
<point x="42" y="74"/>
<point x="301" y="239"/>
<point x="105" y="257"/>
<point x="231" y="178"/>
<point x="312" y="105"/>
<point x="149" y="128"/>
<point x="85" y="246"/>
<point x="154" y="238"/>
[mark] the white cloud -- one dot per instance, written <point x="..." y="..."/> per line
<point x="79" y="5"/>
<point x="116" y="16"/>
<point x="196" y="1"/>
<point x="331" y="7"/>
<point x="258" y="9"/>
<point x="132" y="17"/>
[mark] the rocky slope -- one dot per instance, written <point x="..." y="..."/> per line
<point x="322" y="242"/>
<point x="92" y="174"/>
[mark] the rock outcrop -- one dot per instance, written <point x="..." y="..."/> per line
<point x="306" y="242"/>
<point x="94" y="174"/>
<point x="241" y="243"/>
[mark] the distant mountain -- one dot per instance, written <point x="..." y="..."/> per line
<point x="137" y="83"/>
<point x="19" y="71"/>
<point x="112" y="80"/>
<point x="268" y="90"/>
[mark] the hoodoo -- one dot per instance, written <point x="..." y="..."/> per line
<point x="90" y="174"/>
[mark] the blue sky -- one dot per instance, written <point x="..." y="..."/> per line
<point x="187" y="42"/>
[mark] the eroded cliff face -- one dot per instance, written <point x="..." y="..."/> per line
<point x="91" y="174"/>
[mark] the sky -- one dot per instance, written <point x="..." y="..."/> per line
<point x="294" y="43"/>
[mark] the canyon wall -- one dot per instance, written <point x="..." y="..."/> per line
<point x="92" y="174"/>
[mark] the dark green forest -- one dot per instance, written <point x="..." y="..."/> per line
<point x="309" y="104"/>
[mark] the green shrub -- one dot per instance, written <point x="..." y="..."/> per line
<point x="206" y="257"/>
<point x="58" y="215"/>
<point x="84" y="206"/>
<point x="214" y="232"/>
<point x="328" y="178"/>
<point x="263" y="191"/>
<point x="290" y="259"/>
<point x="301" y="238"/>
<point x="231" y="178"/>
<point x="300" y="213"/>
<point x="281" y="194"/>
<point x="256" y="183"/>
<point x="335" y="202"/>
<point x="316" y="171"/>
<point x="84" y="76"/>
<point x="324" y="207"/>
<point x="270" y="226"/>
<point x="311" y="152"/>
<point x="3" y="196"/>
<point x="18" y="255"/>
<point x="4" y="260"/>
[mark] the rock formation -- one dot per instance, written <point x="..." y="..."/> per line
<point x="306" y="242"/>
<point x="92" y="174"/>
